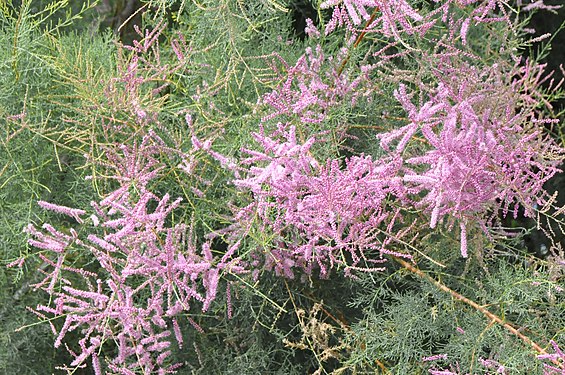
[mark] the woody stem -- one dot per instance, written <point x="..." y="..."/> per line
<point x="357" y="41"/>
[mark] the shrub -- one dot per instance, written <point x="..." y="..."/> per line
<point x="221" y="195"/>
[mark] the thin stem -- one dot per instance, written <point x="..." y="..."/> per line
<point x="302" y="325"/>
<point x="357" y="41"/>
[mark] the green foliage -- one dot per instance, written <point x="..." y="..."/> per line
<point x="407" y="319"/>
<point x="57" y="117"/>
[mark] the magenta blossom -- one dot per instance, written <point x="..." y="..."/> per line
<point x="476" y="158"/>
<point x="148" y="271"/>
<point x="319" y="215"/>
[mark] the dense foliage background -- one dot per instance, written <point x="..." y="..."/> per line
<point x="207" y="187"/>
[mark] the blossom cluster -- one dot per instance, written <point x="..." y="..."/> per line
<point x="490" y="365"/>
<point x="318" y="213"/>
<point x="392" y="18"/>
<point x="479" y="153"/>
<point x="493" y="367"/>
<point x="308" y="89"/>
<point x="557" y="358"/>
<point x="147" y="271"/>
<point x="142" y="77"/>
<point x="390" y="15"/>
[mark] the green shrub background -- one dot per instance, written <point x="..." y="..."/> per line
<point x="56" y="59"/>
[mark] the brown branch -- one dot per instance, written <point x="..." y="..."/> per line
<point x="476" y="306"/>
<point x="358" y="40"/>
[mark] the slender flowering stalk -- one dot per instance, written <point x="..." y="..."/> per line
<point x="72" y="212"/>
<point x="434" y="357"/>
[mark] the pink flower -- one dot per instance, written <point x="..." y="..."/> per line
<point x="317" y="212"/>
<point x="479" y="155"/>
<point x="557" y="357"/>
<point x="73" y="212"/>
<point x="139" y="251"/>
<point x="310" y="89"/>
<point x="392" y="17"/>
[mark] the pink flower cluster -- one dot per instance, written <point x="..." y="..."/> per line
<point x="319" y="215"/>
<point x="478" y="154"/>
<point x="493" y="367"/>
<point x="307" y="92"/>
<point x="558" y="361"/>
<point x="152" y="271"/>
<point x="391" y="18"/>
<point x="389" y="14"/>
<point x="142" y="76"/>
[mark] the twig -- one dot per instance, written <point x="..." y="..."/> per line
<point x="358" y="40"/>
